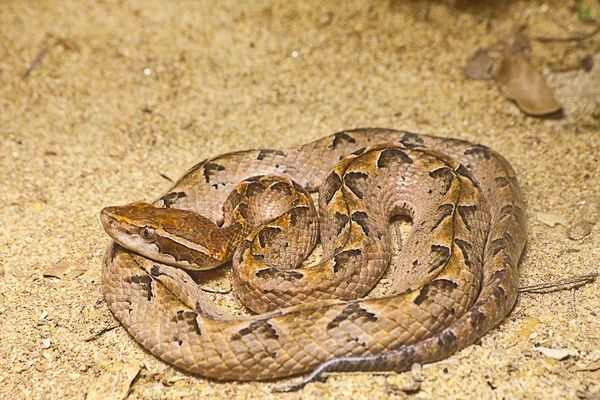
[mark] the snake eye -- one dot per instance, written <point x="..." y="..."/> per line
<point x="147" y="232"/>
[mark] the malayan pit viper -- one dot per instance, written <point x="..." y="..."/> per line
<point x="455" y="279"/>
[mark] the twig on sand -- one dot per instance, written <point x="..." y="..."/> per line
<point x="562" y="284"/>
<point x="35" y="62"/>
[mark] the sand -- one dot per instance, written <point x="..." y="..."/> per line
<point x="102" y="100"/>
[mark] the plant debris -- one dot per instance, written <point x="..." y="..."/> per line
<point x="551" y="219"/>
<point x="579" y="229"/>
<point x="481" y="66"/>
<point x="115" y="383"/>
<point x="63" y="269"/>
<point x="568" y="283"/>
<point x="519" y="82"/>
<point x="519" y="45"/>
<point x="557" y="354"/>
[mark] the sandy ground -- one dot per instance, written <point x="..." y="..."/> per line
<point x="100" y="100"/>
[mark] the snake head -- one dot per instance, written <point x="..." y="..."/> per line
<point x="176" y="237"/>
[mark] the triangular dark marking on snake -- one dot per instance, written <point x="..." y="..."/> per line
<point x="499" y="274"/>
<point x="466" y="213"/>
<point x="267" y="234"/>
<point x="272" y="273"/>
<point x="506" y="211"/>
<point x="465" y="248"/>
<point x="211" y="169"/>
<point x="281" y="187"/>
<point x="332" y="184"/>
<point x="145" y="283"/>
<point x="354" y="181"/>
<point x="499" y="292"/>
<point x="444" y="211"/>
<point x="171" y="198"/>
<point x="262" y="327"/>
<point x="446" y="175"/>
<point x="342" y="219"/>
<point x="464" y="172"/>
<point x="502" y="181"/>
<point x="244" y="210"/>
<point x="480" y="150"/>
<point x="392" y="155"/>
<point x="254" y="189"/>
<point x="447" y="338"/>
<point x="498" y="245"/>
<point x="340" y="138"/>
<point x="412" y="140"/>
<point x="352" y="312"/>
<point x="189" y="318"/>
<point x="245" y="245"/>
<point x="234" y="198"/>
<point x="441" y="254"/>
<point x="476" y="318"/>
<point x="362" y="219"/>
<point x="344" y="257"/>
<point x="262" y="154"/>
<point x="298" y="187"/>
<point x="297" y="213"/>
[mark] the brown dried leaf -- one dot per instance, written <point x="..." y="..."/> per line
<point x="114" y="384"/>
<point x="58" y="270"/>
<point x="551" y="219"/>
<point x="64" y="269"/>
<point x="520" y="82"/>
<point x="519" y="45"/>
<point x="69" y="44"/>
<point x="77" y="272"/>
<point x="579" y="229"/>
<point x="593" y="366"/>
<point x="481" y="66"/>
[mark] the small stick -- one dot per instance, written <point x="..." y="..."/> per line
<point x="166" y="177"/>
<point x="217" y="291"/>
<point x="35" y="62"/>
<point x="561" y="284"/>
<point x="100" y="333"/>
<point x="569" y="38"/>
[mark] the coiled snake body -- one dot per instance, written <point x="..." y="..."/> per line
<point x="456" y="275"/>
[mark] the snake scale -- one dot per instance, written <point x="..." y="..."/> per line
<point x="455" y="279"/>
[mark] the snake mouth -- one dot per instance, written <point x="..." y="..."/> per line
<point x="110" y="223"/>
<point x="107" y="219"/>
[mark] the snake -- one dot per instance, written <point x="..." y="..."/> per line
<point x="455" y="274"/>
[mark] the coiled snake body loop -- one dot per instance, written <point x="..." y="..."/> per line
<point x="456" y="275"/>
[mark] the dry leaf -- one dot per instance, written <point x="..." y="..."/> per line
<point x="520" y="82"/>
<point x="481" y="66"/>
<point x="58" y="270"/>
<point x="64" y="269"/>
<point x="579" y="229"/>
<point x="551" y="219"/>
<point x="519" y="45"/>
<point x="76" y="273"/>
<point x="593" y="366"/>
<point x="557" y="354"/>
<point x="69" y="44"/>
<point x="114" y="384"/>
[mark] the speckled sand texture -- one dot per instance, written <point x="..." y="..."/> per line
<point x="100" y="100"/>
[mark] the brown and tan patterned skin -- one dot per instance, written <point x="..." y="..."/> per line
<point x="456" y="277"/>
